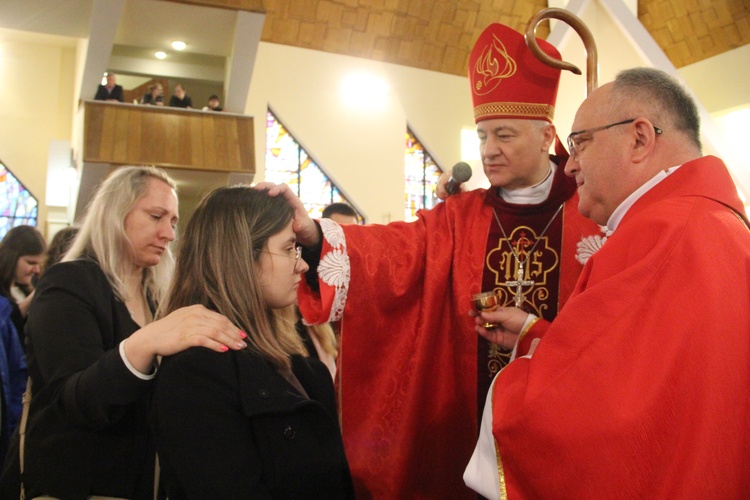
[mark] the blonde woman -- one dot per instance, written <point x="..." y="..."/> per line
<point x="154" y="96"/>
<point x="260" y="422"/>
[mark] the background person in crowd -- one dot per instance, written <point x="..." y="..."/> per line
<point x="21" y="257"/>
<point x="60" y="244"/>
<point x="92" y="346"/>
<point x="413" y="373"/>
<point x="180" y="99"/>
<point x="213" y="104"/>
<point x="12" y="376"/>
<point x="111" y="91"/>
<point x="154" y="96"/>
<point x="260" y="422"/>
<point x="641" y="386"/>
<point x="341" y="213"/>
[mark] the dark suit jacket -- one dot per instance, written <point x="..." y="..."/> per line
<point x="228" y="425"/>
<point x="149" y="99"/>
<point x="103" y="95"/>
<point x="87" y="431"/>
<point x="176" y="102"/>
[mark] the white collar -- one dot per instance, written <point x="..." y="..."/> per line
<point x="532" y="195"/>
<point x="622" y="209"/>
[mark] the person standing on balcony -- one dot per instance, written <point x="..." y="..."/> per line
<point x="111" y="91"/>
<point x="213" y="104"/>
<point x="155" y="95"/>
<point x="180" y="99"/>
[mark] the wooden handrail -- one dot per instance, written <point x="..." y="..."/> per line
<point x="123" y="134"/>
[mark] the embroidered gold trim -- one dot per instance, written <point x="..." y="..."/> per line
<point x="500" y="474"/>
<point x="489" y="71"/>
<point x="523" y="109"/>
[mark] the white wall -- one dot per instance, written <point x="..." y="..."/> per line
<point x="722" y="82"/>
<point x="362" y="149"/>
<point x="36" y="105"/>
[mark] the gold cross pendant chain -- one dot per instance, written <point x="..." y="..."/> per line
<point x="519" y="282"/>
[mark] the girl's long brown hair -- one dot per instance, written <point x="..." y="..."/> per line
<point x="217" y="266"/>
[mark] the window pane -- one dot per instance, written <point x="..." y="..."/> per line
<point x="287" y="162"/>
<point x="17" y="205"/>
<point x="421" y="174"/>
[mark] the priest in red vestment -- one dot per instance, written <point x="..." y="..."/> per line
<point x="412" y="371"/>
<point x="640" y="388"/>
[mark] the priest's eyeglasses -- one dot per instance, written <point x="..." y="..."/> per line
<point x="572" y="146"/>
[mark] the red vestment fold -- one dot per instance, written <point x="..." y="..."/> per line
<point x="640" y="388"/>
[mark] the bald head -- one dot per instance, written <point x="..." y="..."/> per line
<point x="624" y="133"/>
<point x="656" y="95"/>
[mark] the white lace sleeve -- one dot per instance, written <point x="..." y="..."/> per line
<point x="334" y="269"/>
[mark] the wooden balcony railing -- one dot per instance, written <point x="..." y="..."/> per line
<point x="128" y="134"/>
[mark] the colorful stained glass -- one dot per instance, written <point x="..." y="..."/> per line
<point x="421" y="176"/>
<point x="287" y="162"/>
<point x="18" y="206"/>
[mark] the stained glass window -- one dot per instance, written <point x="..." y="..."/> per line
<point x="287" y="162"/>
<point x="17" y="205"/>
<point x="422" y="174"/>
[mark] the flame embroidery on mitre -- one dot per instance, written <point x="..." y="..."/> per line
<point x="493" y="66"/>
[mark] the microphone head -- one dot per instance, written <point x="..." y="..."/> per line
<point x="461" y="171"/>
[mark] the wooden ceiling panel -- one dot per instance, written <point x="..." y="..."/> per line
<point x="692" y="30"/>
<point x="438" y="35"/>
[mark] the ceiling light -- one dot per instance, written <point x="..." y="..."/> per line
<point x="179" y="45"/>
<point x="161" y="55"/>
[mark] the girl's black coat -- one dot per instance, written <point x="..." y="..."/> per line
<point x="228" y="425"/>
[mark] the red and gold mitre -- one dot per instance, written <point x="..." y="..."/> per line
<point x="507" y="80"/>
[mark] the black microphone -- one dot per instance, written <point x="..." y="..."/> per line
<point x="460" y="173"/>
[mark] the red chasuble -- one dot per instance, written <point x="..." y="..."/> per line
<point x="640" y="388"/>
<point x="409" y="355"/>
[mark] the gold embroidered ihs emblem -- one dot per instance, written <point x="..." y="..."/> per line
<point x="492" y="67"/>
<point x="536" y="267"/>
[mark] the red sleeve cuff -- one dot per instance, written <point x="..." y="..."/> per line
<point x="534" y="331"/>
